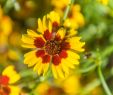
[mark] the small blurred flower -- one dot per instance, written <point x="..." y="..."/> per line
<point x="75" y="18"/>
<point x="69" y="86"/>
<point x="13" y="55"/>
<point x="5" y="29"/>
<point x="72" y="85"/>
<point x="104" y="2"/>
<point x="7" y="79"/>
<point x="60" y="4"/>
<point x="55" y="47"/>
<point x="25" y="5"/>
<point x="97" y="91"/>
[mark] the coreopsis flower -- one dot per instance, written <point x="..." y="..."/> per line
<point x="54" y="47"/>
<point x="75" y="18"/>
<point x="7" y="79"/>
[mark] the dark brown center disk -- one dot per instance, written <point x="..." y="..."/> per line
<point x="52" y="47"/>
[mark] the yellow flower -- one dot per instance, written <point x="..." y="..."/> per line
<point x="54" y="47"/>
<point x="75" y="18"/>
<point x="60" y="4"/>
<point x="7" y="79"/>
<point x="69" y="86"/>
<point x="13" y="55"/>
<point x="104" y="2"/>
<point x="5" y="28"/>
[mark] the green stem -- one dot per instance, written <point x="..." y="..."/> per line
<point x="104" y="84"/>
<point x="67" y="9"/>
<point x="96" y="82"/>
<point x="90" y="68"/>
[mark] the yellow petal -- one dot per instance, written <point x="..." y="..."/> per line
<point x="59" y="71"/>
<point x="76" y="44"/>
<point x="38" y="67"/>
<point x="54" y="71"/>
<point x="72" y="32"/>
<point x="54" y="17"/>
<point x="28" y="40"/>
<point x="28" y="45"/>
<point x="32" y="33"/>
<point x="65" y="69"/>
<point x="50" y="26"/>
<point x="40" y="26"/>
<point x="61" y="32"/>
<point x="68" y="63"/>
<point x="15" y="90"/>
<point x="44" y="23"/>
<point x="45" y="68"/>
<point x="31" y="58"/>
<point x="73" y="55"/>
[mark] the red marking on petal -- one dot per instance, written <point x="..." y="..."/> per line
<point x="65" y="45"/>
<point x="4" y="80"/>
<point x="55" y="27"/>
<point x="39" y="42"/>
<point x="57" y="38"/>
<point x="40" y="53"/>
<point x="56" y="60"/>
<point x="55" y="24"/>
<point x="47" y="35"/>
<point x="46" y="59"/>
<point x="63" y="54"/>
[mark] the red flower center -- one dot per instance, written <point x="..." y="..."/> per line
<point x="54" y="91"/>
<point x="4" y="90"/>
<point x="52" y="47"/>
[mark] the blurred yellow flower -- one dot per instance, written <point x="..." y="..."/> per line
<point x="5" y="28"/>
<point x="104" y="2"/>
<point x="13" y="55"/>
<point x="54" y="47"/>
<point x="75" y="18"/>
<point x="60" y="4"/>
<point x="69" y="86"/>
<point x="7" y="79"/>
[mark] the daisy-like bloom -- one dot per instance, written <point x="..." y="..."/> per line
<point x="7" y="79"/>
<point x="55" y="47"/>
<point x="75" y="18"/>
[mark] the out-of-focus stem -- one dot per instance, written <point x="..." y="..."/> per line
<point x="96" y="82"/>
<point x="104" y="84"/>
<point x="90" y="68"/>
<point x="67" y="9"/>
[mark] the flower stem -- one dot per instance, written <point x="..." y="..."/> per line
<point x="88" y="69"/>
<point x="104" y="84"/>
<point x="67" y="9"/>
<point x="96" y="82"/>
